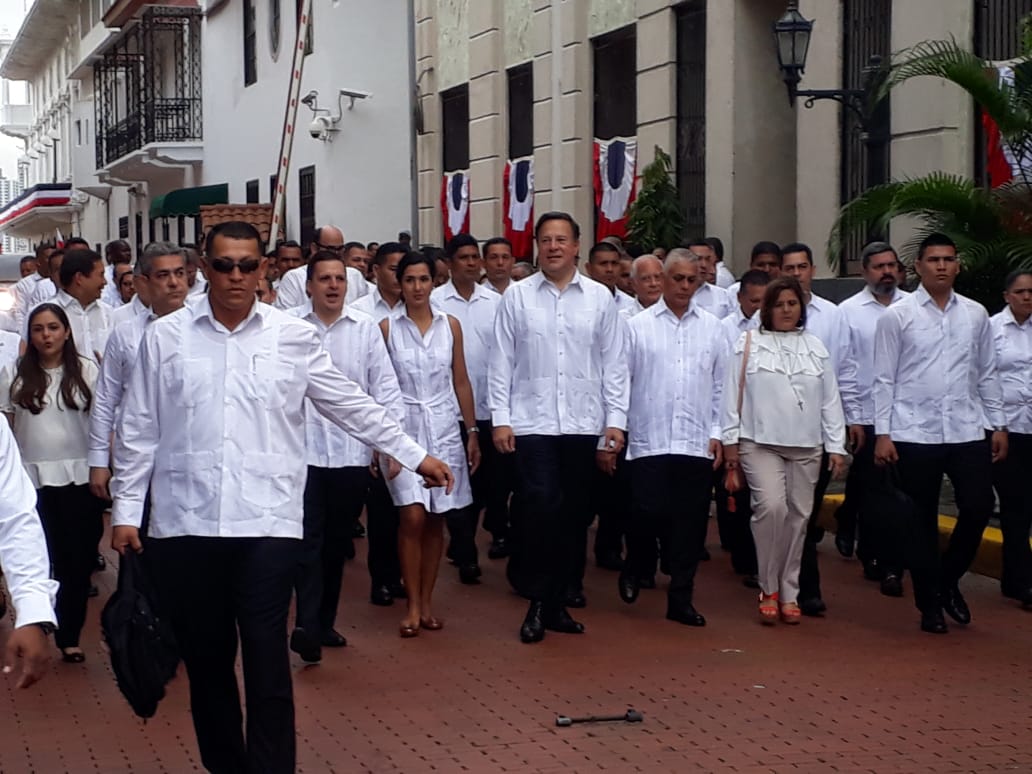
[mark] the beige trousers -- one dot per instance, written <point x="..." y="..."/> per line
<point x="781" y="482"/>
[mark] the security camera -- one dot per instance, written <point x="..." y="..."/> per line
<point x="321" y="128"/>
<point x="352" y="95"/>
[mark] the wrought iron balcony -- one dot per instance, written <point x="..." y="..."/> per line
<point x="147" y="86"/>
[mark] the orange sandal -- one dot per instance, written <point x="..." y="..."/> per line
<point x="769" y="608"/>
<point x="790" y="612"/>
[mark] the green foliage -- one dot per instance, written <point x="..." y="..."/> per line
<point x="655" y="218"/>
<point x="992" y="227"/>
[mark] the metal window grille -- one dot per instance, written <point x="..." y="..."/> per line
<point x="455" y="128"/>
<point x="521" y="110"/>
<point x="306" y="203"/>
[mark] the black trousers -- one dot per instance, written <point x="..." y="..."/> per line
<point x="921" y="468"/>
<point x="809" y="572"/>
<point x="851" y="516"/>
<point x="612" y="504"/>
<point x="496" y="480"/>
<point x="382" y="533"/>
<point x="735" y="532"/>
<point x="462" y="523"/>
<point x="333" y="502"/>
<point x="233" y="585"/>
<point x="73" y="522"/>
<point x="671" y="496"/>
<point x="554" y="477"/>
<point x="1015" y="512"/>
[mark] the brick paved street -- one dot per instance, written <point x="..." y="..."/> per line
<point x="862" y="690"/>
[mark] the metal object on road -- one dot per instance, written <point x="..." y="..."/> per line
<point x="631" y="716"/>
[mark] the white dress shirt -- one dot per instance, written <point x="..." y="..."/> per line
<point x="292" y="290"/>
<point x="935" y="375"/>
<point x="356" y="347"/>
<point x="22" y="291"/>
<point x="373" y="304"/>
<point x="790" y="396"/>
<point x="199" y="287"/>
<point x="129" y="311"/>
<point x="626" y="304"/>
<point x="23" y="547"/>
<point x="558" y="366"/>
<point x="53" y="442"/>
<point x="213" y="423"/>
<point x="110" y="295"/>
<point x="1013" y="343"/>
<point x="115" y="369"/>
<point x="714" y="300"/>
<point x="736" y="323"/>
<point x="677" y="368"/>
<point x="9" y="345"/>
<point x="476" y="318"/>
<point x="90" y="326"/>
<point x="861" y="312"/>
<point x="826" y="321"/>
<point x="44" y="291"/>
<point x="725" y="278"/>
<point x="488" y="285"/>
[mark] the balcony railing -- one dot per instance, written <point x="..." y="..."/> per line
<point x="148" y="85"/>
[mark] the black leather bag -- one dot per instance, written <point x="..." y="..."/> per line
<point x="144" y="655"/>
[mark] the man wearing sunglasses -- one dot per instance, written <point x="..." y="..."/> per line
<point x="292" y="290"/>
<point x="213" y="423"/>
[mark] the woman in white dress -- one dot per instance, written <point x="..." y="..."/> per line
<point x="425" y="347"/>
<point x="47" y="400"/>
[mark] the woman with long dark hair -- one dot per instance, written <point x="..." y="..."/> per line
<point x="425" y="346"/>
<point x="47" y="400"/>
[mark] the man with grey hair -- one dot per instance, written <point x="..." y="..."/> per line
<point x="292" y="289"/>
<point x="880" y="265"/>
<point x="647" y="280"/>
<point x="161" y="279"/>
<point x="522" y="270"/>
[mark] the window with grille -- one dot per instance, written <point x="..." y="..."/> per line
<point x="691" y="113"/>
<point x="521" y="110"/>
<point x="455" y="128"/>
<point x="250" y="44"/>
<point x="616" y="84"/>
<point x="251" y="191"/>
<point x="306" y="203"/>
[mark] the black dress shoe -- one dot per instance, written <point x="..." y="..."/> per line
<point x="648" y="582"/>
<point x="498" y="549"/>
<point x="560" y="621"/>
<point x="873" y="571"/>
<point x="382" y="596"/>
<point x="686" y="615"/>
<point x="533" y="628"/>
<point x="812" y="606"/>
<point x="470" y="574"/>
<point x="933" y="622"/>
<point x="845" y="544"/>
<point x="334" y="639"/>
<point x="398" y="590"/>
<point x="610" y="560"/>
<point x="751" y="581"/>
<point x="357" y="530"/>
<point x="955" y="606"/>
<point x="575" y="598"/>
<point x="306" y="646"/>
<point x="892" y="585"/>
<point x="1024" y="596"/>
<point x="628" y="587"/>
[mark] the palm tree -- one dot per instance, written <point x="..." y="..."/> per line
<point x="991" y="226"/>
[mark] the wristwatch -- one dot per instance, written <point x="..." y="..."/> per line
<point x="999" y="428"/>
<point x="47" y="627"/>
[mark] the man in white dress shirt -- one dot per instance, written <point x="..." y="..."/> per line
<point x="604" y="267"/>
<point x="647" y="280"/>
<point x="82" y="281"/>
<point x="862" y="311"/>
<point x="474" y="306"/>
<point x="195" y="279"/>
<point x="383" y="300"/>
<point x="557" y="383"/>
<point x="291" y="290"/>
<point x="338" y="464"/>
<point x="734" y="526"/>
<point x="161" y="278"/>
<point x="723" y="278"/>
<point x="26" y="566"/>
<point x="677" y="354"/>
<point x="289" y="256"/>
<point x="212" y="428"/>
<point x="24" y="288"/>
<point x="710" y="297"/>
<point x="118" y="255"/>
<point x="498" y="263"/>
<point x="825" y="321"/>
<point x="936" y="387"/>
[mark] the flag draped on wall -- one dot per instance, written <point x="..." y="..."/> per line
<point x="1001" y="163"/>
<point x="614" y="184"/>
<point x="518" y="206"/>
<point x="455" y="203"/>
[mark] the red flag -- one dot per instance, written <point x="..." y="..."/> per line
<point x="518" y="206"/>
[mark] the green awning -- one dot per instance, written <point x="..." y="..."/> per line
<point x="188" y="201"/>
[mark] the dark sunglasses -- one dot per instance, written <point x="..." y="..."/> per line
<point x="226" y="266"/>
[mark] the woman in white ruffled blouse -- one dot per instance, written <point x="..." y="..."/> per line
<point x="776" y="426"/>
<point x="47" y="399"/>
